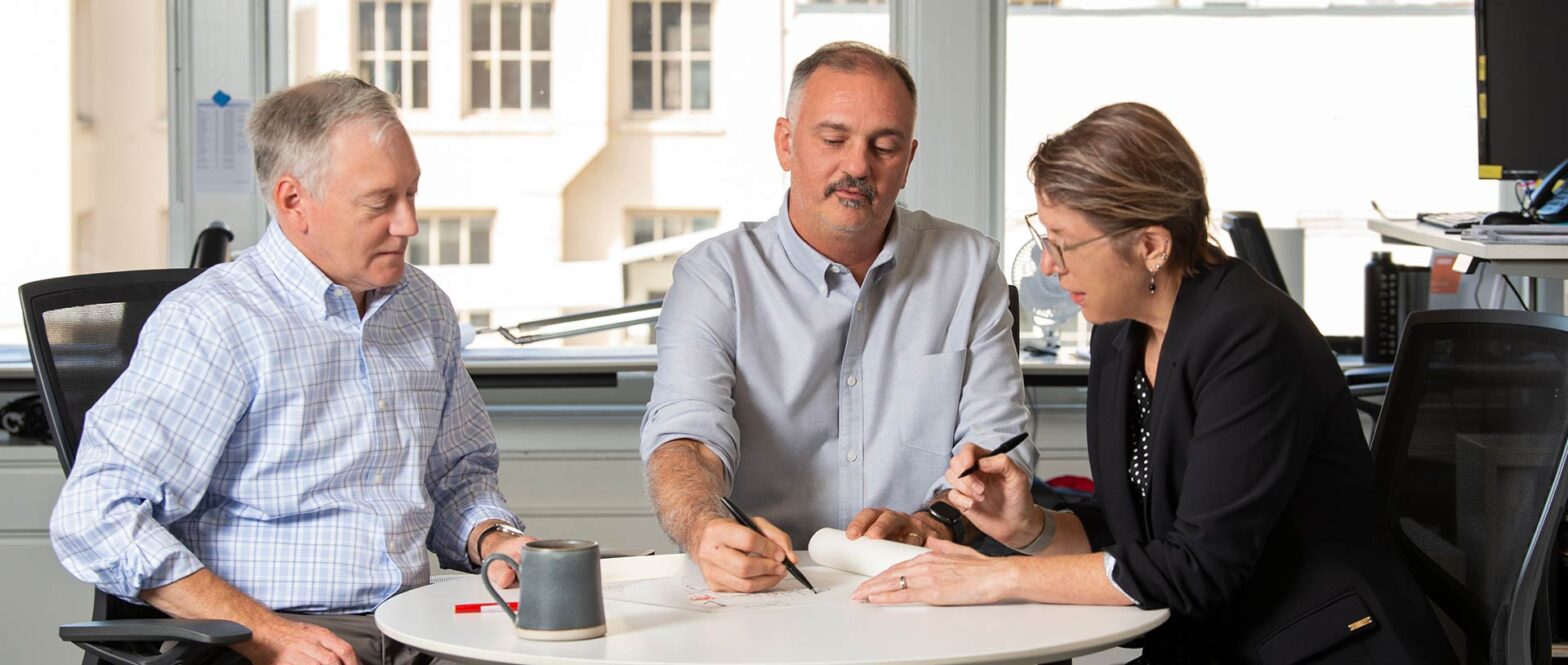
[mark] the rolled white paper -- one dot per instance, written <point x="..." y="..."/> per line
<point x="864" y="556"/>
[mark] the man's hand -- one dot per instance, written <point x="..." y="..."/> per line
<point x="735" y="558"/>
<point x="501" y="575"/>
<point x="278" y="641"/>
<point x="885" y="524"/>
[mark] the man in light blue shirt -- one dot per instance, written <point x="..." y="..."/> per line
<point x="296" y="428"/>
<point x="821" y="367"/>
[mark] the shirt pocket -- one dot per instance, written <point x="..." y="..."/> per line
<point x="419" y="399"/>
<point x="926" y="391"/>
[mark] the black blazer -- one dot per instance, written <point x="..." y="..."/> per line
<point x="1261" y="531"/>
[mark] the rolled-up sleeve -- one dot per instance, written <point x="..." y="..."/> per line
<point x="992" y="407"/>
<point x="462" y="476"/>
<point x="147" y="455"/>
<point x="693" y="388"/>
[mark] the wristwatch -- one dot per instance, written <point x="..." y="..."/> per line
<point x="503" y="527"/>
<point x="945" y="513"/>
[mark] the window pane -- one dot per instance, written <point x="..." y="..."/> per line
<point x="540" y="29"/>
<point x="419" y="245"/>
<point x="701" y="83"/>
<point x="674" y="226"/>
<point x="479" y="26"/>
<point x="671" y="81"/>
<point x="511" y="84"/>
<point x="479" y="241"/>
<point x="670" y="26"/>
<point x="394" y="26"/>
<point x="451" y="240"/>
<point x="701" y="31"/>
<point x="479" y="318"/>
<point x="642" y="230"/>
<point x="642" y="27"/>
<point x="540" y="85"/>
<point x="367" y="26"/>
<point x="367" y="71"/>
<point x="642" y="85"/>
<point x="392" y="77"/>
<point x="421" y="27"/>
<point x="511" y="26"/>
<point x="479" y="85"/>
<point x="421" y="84"/>
<point x="703" y="223"/>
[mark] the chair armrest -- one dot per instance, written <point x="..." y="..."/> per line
<point x="200" y="631"/>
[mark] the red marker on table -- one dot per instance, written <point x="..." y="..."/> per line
<point x="474" y="608"/>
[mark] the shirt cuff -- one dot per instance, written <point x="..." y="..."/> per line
<point x="1110" y="567"/>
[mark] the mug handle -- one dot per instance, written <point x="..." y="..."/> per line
<point x="485" y="579"/>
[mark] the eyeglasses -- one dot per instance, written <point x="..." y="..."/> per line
<point x="1058" y="252"/>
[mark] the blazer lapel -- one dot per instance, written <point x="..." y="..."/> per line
<point x="1113" y="490"/>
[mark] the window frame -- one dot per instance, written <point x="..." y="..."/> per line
<point x="657" y="55"/>
<point x="686" y="218"/>
<point x="429" y="237"/>
<point x="379" y="54"/>
<point x="496" y="55"/>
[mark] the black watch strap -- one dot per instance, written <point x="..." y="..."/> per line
<point x="946" y="513"/>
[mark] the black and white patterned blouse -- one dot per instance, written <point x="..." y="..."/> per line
<point x="1138" y="466"/>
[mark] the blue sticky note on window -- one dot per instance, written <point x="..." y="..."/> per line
<point x="221" y="98"/>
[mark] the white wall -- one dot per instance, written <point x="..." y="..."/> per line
<point x="35" y="128"/>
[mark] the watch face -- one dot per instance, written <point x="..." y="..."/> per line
<point x="945" y="512"/>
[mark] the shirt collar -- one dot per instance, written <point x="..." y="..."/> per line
<point x="817" y="268"/>
<point x="307" y="284"/>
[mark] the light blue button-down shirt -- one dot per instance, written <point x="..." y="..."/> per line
<point x="267" y="432"/>
<point x="823" y="396"/>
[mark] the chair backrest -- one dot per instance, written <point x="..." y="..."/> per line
<point x="81" y="332"/>
<point x="1252" y="245"/>
<point x="1469" y="455"/>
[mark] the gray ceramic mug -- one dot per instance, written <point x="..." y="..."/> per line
<point x="559" y="595"/>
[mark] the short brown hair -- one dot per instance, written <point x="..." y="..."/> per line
<point x="1125" y="166"/>
<point x="845" y="56"/>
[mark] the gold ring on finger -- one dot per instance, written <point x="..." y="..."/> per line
<point x="903" y="584"/>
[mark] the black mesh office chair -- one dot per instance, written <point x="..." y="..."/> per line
<point x="1470" y="456"/>
<point x="81" y="332"/>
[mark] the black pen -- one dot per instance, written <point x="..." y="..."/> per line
<point x="746" y="521"/>
<point x="1000" y="450"/>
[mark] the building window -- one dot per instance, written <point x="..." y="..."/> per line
<point x="646" y="227"/>
<point x="509" y="55"/>
<point x="672" y="55"/>
<point x="393" y="47"/>
<point x="451" y="239"/>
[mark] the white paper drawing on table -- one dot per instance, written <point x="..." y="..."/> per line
<point x="839" y="565"/>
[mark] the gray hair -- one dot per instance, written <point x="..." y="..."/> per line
<point x="847" y="56"/>
<point x="289" y="130"/>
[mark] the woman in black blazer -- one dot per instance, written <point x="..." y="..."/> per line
<point x="1233" y="484"/>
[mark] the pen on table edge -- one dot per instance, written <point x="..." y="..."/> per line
<point x="746" y="521"/>
<point x="1000" y="450"/>
<point x="474" y="608"/>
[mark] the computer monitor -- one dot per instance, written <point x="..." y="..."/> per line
<point x="1522" y="83"/>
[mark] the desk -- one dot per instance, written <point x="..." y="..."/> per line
<point x="838" y="634"/>
<point x="1525" y="260"/>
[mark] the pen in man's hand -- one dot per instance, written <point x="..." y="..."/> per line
<point x="746" y="521"/>
<point x="1000" y="450"/>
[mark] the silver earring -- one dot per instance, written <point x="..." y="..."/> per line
<point x="1154" y="272"/>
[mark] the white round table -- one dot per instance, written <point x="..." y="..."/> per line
<point x="822" y="634"/>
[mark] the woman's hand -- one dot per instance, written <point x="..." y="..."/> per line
<point x="950" y="575"/>
<point x="996" y="497"/>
